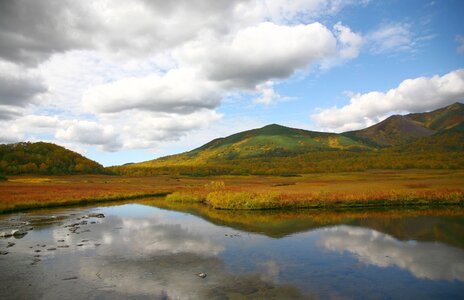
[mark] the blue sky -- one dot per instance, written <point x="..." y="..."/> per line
<point x="123" y="81"/>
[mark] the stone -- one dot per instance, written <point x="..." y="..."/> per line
<point x="19" y="233"/>
<point x="70" y="278"/>
<point x="201" y="275"/>
<point x="96" y="215"/>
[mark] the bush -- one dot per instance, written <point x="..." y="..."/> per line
<point x="243" y="200"/>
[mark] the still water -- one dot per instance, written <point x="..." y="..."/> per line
<point x="153" y="251"/>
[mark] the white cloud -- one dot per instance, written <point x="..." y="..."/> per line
<point x="142" y="129"/>
<point x="212" y="67"/>
<point x="10" y="133"/>
<point x="90" y="133"/>
<point x="181" y="91"/>
<point x="392" y="37"/>
<point x="267" y="95"/>
<point x="74" y="61"/>
<point x="259" y="53"/>
<point x="460" y="41"/>
<point x="412" y="95"/>
<point x="18" y="85"/>
<point x="351" y="41"/>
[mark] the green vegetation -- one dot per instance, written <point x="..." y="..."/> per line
<point x="44" y="158"/>
<point x="433" y="140"/>
<point x="184" y="197"/>
<point x="222" y="198"/>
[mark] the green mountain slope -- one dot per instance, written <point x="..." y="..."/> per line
<point x="44" y="158"/>
<point x="269" y="141"/>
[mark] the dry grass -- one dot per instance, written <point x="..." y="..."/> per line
<point x="373" y="188"/>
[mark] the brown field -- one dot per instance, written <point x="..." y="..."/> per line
<point x="372" y="188"/>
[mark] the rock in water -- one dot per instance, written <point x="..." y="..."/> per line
<point x="201" y="275"/>
<point x="19" y="233"/>
<point x="5" y="234"/>
<point x="96" y="215"/>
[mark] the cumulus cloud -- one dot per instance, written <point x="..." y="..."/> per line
<point x="33" y="30"/>
<point x="10" y="133"/>
<point x="168" y="63"/>
<point x="392" y="37"/>
<point x="90" y="133"/>
<point x="258" y="53"/>
<point x="412" y="95"/>
<point x="267" y="94"/>
<point x="147" y="129"/>
<point x="181" y="91"/>
<point x="212" y="67"/>
<point x="8" y="112"/>
<point x="424" y="260"/>
<point x="18" y="86"/>
<point x="351" y="42"/>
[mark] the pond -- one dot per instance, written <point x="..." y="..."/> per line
<point x="153" y="250"/>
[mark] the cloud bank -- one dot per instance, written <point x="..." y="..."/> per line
<point x="411" y="95"/>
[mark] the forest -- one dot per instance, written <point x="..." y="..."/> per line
<point x="46" y="159"/>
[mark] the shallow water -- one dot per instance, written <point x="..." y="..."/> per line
<point x="154" y="251"/>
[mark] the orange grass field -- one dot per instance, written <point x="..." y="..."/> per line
<point x="372" y="188"/>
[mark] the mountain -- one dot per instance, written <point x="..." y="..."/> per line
<point x="269" y="141"/>
<point x="441" y="119"/>
<point x="399" y="130"/>
<point x="420" y="140"/>
<point x="394" y="130"/>
<point x="44" y="158"/>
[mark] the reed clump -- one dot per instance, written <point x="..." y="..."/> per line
<point x="216" y="195"/>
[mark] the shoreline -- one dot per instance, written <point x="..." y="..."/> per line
<point x="76" y="202"/>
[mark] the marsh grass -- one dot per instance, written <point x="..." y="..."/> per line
<point x="12" y="207"/>
<point x="185" y="197"/>
<point x="242" y="200"/>
<point x="362" y="189"/>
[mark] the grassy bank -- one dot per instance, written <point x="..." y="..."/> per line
<point x="232" y="200"/>
<point x="74" y="202"/>
<point x="380" y="188"/>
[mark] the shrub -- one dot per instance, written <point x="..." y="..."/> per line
<point x="243" y="200"/>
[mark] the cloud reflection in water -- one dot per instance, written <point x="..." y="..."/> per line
<point x="424" y="260"/>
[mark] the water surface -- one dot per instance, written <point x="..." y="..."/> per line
<point x="154" y="251"/>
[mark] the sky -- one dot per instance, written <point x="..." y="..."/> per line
<point x="128" y="81"/>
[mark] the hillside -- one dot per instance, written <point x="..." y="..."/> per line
<point x="421" y="140"/>
<point x="400" y="130"/>
<point x="395" y="130"/>
<point x="441" y="119"/>
<point x="44" y="158"/>
<point x="267" y="142"/>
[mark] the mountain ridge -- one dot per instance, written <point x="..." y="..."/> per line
<point x="275" y="144"/>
